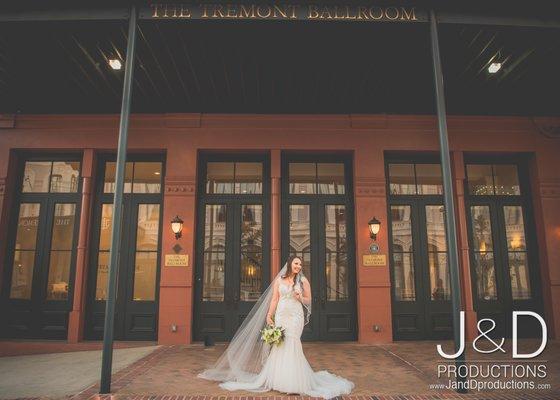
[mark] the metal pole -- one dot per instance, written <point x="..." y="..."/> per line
<point x="450" y="223"/>
<point x="107" y="357"/>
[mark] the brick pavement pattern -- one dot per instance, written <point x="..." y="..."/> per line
<point x="395" y="371"/>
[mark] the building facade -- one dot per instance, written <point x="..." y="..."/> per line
<point x="253" y="189"/>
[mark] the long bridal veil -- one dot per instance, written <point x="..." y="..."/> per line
<point x="246" y="353"/>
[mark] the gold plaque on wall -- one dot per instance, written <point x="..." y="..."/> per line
<point x="374" y="260"/>
<point x="176" y="260"/>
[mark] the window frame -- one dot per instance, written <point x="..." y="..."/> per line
<point x="47" y="201"/>
<point x="412" y="159"/>
<point x="205" y="157"/>
<point x="102" y="197"/>
<point x="424" y="307"/>
<point x="504" y="160"/>
<point x="316" y="158"/>
<point x="496" y="203"/>
<point x="96" y="307"/>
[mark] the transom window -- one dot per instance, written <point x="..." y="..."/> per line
<point x="493" y="179"/>
<point x="139" y="177"/>
<point x="316" y="178"/>
<point x="51" y="177"/>
<point x="234" y="177"/>
<point x="415" y="179"/>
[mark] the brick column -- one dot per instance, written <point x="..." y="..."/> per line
<point x="76" y="317"/>
<point x="545" y="186"/>
<point x="547" y="216"/>
<point x="374" y="284"/>
<point x="276" y="213"/>
<point x="176" y="283"/>
<point x="463" y="239"/>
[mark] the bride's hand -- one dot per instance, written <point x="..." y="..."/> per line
<point x="269" y="320"/>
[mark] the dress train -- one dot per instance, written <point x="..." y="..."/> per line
<point x="286" y="369"/>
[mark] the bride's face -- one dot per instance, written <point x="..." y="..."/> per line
<point x="296" y="265"/>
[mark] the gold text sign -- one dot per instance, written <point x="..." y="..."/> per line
<point x="176" y="260"/>
<point x="374" y="260"/>
<point x="284" y="11"/>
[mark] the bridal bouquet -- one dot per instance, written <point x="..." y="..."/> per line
<point x="272" y="335"/>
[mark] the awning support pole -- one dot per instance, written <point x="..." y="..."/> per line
<point x="107" y="356"/>
<point x="450" y="223"/>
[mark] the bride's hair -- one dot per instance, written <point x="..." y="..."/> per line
<point x="289" y="268"/>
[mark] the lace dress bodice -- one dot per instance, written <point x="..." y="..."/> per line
<point x="286" y="291"/>
<point x="289" y="311"/>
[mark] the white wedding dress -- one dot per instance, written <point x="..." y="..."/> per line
<point x="286" y="369"/>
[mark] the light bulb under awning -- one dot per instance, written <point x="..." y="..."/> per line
<point x="494" y="67"/>
<point x="115" y="64"/>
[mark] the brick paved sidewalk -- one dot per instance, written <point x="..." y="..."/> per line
<point x="400" y="371"/>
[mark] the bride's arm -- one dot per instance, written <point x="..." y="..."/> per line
<point x="273" y="303"/>
<point x="306" y="295"/>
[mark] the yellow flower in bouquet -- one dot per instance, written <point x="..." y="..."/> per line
<point x="272" y="335"/>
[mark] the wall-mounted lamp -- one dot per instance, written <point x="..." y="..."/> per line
<point x="374" y="225"/>
<point x="177" y="226"/>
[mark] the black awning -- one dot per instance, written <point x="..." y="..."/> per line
<point x="277" y="67"/>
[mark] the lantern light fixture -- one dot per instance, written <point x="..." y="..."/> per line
<point x="177" y="226"/>
<point x="374" y="226"/>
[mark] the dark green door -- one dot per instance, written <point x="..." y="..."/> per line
<point x="420" y="286"/>
<point x="504" y="263"/>
<point x="419" y="270"/>
<point x="139" y="254"/>
<point x="37" y="293"/>
<point x="317" y="226"/>
<point x="232" y="252"/>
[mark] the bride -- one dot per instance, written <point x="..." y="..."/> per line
<point x="250" y="364"/>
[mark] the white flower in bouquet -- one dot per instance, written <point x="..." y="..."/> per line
<point x="272" y="335"/>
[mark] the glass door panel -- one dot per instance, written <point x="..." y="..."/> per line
<point x="300" y="234"/>
<point x="517" y="253"/>
<point x="336" y="266"/>
<point x="24" y="254"/>
<point x="106" y="224"/>
<point x="437" y="253"/>
<point x="483" y="251"/>
<point x="62" y="240"/>
<point x="214" y="252"/>
<point x="404" y="279"/>
<point x="251" y="269"/>
<point x="147" y="238"/>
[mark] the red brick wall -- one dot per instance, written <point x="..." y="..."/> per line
<point x="366" y="136"/>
